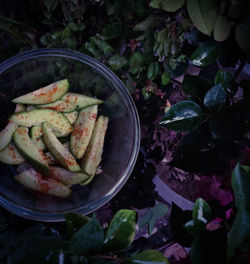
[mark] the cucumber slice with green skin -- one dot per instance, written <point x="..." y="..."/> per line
<point x="82" y="131"/>
<point x="30" y="107"/>
<point x="39" y="143"/>
<point x="60" y="106"/>
<point x="67" y="177"/>
<point x="36" y="132"/>
<point x="45" y="95"/>
<point x="7" y="132"/>
<point x="72" y="116"/>
<point x="36" y="182"/>
<point x="93" y="155"/>
<point x="29" y="151"/>
<point x="61" y="154"/>
<point x="10" y="155"/>
<point x="56" y="120"/>
<point x="80" y="100"/>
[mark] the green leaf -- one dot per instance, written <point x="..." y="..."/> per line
<point x="226" y="79"/>
<point x="203" y="14"/>
<point x="196" y="85"/>
<point x="195" y="227"/>
<point x="183" y="116"/>
<point x="73" y="26"/>
<point x="222" y="29"/>
<point x="176" y="68"/>
<point x="171" y="5"/>
<point x="121" y="231"/>
<point x="136" y="62"/>
<point x="215" y="97"/>
<point x="242" y="35"/>
<point x="74" y="221"/>
<point x="202" y="211"/>
<point x="50" y="4"/>
<point x="165" y="78"/>
<point x="207" y="53"/>
<point x="151" y="225"/>
<point x="146" y="94"/>
<point x="240" y="185"/>
<point x="102" y="45"/>
<point x="209" y="247"/>
<point x="153" y="70"/>
<point x="148" y="257"/>
<point x="148" y="23"/>
<point x="155" y="3"/>
<point x="88" y="240"/>
<point x="117" y="62"/>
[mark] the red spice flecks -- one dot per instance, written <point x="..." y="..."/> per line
<point x="94" y="115"/>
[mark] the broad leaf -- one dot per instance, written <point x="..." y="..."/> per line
<point x="121" y="231"/>
<point x="195" y="227"/>
<point x="171" y="5"/>
<point x="202" y="211"/>
<point x="155" y="3"/>
<point x="150" y="22"/>
<point x="209" y="248"/>
<point x="242" y="35"/>
<point x="74" y="221"/>
<point x="207" y="53"/>
<point x="196" y="85"/>
<point x="226" y="79"/>
<point x="240" y="185"/>
<point x="136" y="62"/>
<point x="203" y="14"/>
<point x="239" y="236"/>
<point x="222" y="29"/>
<point x="88" y="239"/>
<point x="153" y="70"/>
<point x="117" y="62"/>
<point x="179" y="68"/>
<point x="148" y="257"/>
<point x="215" y="97"/>
<point x="183" y="116"/>
<point x="165" y="78"/>
<point x="102" y="45"/>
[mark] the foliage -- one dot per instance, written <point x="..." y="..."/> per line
<point x="87" y="242"/>
<point x="216" y="120"/>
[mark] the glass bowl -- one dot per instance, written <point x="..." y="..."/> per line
<point x="31" y="70"/>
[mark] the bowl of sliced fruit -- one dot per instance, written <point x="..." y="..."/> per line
<point x="69" y="134"/>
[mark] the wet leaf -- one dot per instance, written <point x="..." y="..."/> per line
<point x="222" y="29"/>
<point x="121" y="231"/>
<point x="207" y="53"/>
<point x="117" y="62"/>
<point x="88" y="239"/>
<point x="196" y="85"/>
<point x="183" y="116"/>
<point x="148" y="23"/>
<point x="148" y="257"/>
<point x="74" y="221"/>
<point x="215" y="97"/>
<point x="227" y="81"/>
<point x="203" y="14"/>
<point x="242" y="35"/>
<point x="202" y="211"/>
<point x="136" y="62"/>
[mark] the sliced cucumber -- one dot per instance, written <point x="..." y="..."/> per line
<point x="72" y="116"/>
<point x="39" y="143"/>
<point x="36" y="182"/>
<point x="82" y="131"/>
<point x="67" y="177"/>
<point x="80" y="100"/>
<point x="93" y="154"/>
<point x="36" y="131"/>
<point x="50" y="159"/>
<point x="28" y="149"/>
<point x="60" y="106"/>
<point x="10" y="155"/>
<point x="45" y="95"/>
<point x="60" y="153"/>
<point x="7" y="132"/>
<point x="30" y="107"/>
<point x="56" y="120"/>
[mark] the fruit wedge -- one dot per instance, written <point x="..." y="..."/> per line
<point x="92" y="157"/>
<point x="56" y="120"/>
<point x="29" y="151"/>
<point x="72" y="116"/>
<point x="82" y="131"/>
<point x="7" y="132"/>
<point x="67" y="177"/>
<point x="36" y="182"/>
<point x="61" y="154"/>
<point x="45" y="95"/>
<point x="10" y="155"/>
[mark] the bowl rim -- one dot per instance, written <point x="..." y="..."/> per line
<point x="123" y="92"/>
